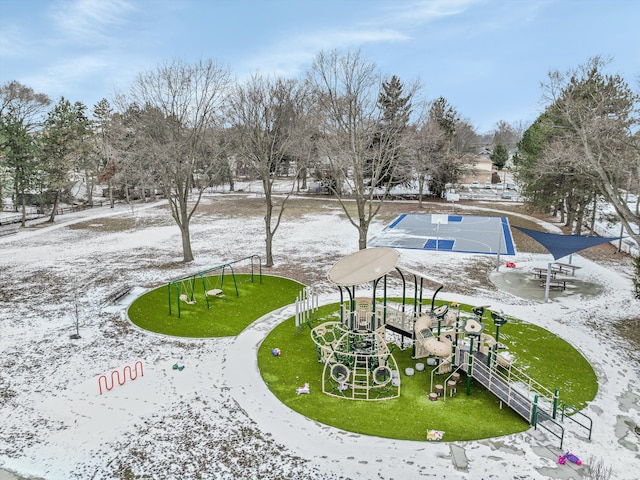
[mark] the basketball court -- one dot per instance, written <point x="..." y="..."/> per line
<point x="448" y="233"/>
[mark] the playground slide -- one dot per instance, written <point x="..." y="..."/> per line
<point x="449" y="319"/>
<point x="433" y="346"/>
<point x="426" y="343"/>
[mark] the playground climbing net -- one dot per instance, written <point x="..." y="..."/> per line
<point x="357" y="365"/>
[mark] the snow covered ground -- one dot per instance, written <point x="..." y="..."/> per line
<point x="216" y="419"/>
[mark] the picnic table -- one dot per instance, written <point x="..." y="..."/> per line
<point x="568" y="268"/>
<point x="557" y="282"/>
<point x="542" y="272"/>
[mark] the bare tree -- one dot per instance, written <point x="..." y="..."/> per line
<point x="181" y="110"/>
<point x="429" y="136"/>
<point x="268" y="121"/>
<point x="597" y="114"/>
<point x="23" y="104"/>
<point x="441" y="153"/>
<point x="346" y="89"/>
<point x="598" y="469"/>
<point x="506" y="134"/>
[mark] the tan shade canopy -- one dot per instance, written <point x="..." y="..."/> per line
<point x="363" y="266"/>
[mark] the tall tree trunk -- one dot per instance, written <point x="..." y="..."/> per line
<point x="304" y="179"/>
<point x="186" y="244"/>
<point x="593" y="213"/>
<point x="15" y="194"/>
<point x="363" y="224"/>
<point x="89" y="188"/>
<point x="579" y="219"/>
<point x="362" y="236"/>
<point x="182" y="217"/>
<point x="111" y="201"/>
<point x="420" y="190"/>
<point x="23" y="220"/>
<point x="54" y="210"/>
<point x="269" y="234"/>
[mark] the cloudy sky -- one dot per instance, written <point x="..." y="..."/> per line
<point x="486" y="57"/>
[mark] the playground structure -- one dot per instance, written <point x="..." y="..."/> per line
<point x="211" y="280"/>
<point x="306" y="306"/>
<point x="133" y="374"/>
<point x="359" y="365"/>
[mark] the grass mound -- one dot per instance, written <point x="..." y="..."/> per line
<point x="228" y="314"/>
<point x="412" y="415"/>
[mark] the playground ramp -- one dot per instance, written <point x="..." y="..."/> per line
<point x="505" y="391"/>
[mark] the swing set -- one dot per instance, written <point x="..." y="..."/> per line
<point x="212" y="281"/>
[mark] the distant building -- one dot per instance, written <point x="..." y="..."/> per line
<point x="480" y="170"/>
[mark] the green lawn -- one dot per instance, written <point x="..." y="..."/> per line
<point x="228" y="314"/>
<point x="412" y="415"/>
<point x="541" y="354"/>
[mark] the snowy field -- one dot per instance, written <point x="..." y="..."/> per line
<point x="215" y="419"/>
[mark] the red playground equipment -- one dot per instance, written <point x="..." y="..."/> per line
<point x="133" y="374"/>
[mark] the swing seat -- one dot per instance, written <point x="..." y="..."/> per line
<point x="184" y="298"/>
<point x="214" y="292"/>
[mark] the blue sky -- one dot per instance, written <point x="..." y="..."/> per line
<point x="486" y="57"/>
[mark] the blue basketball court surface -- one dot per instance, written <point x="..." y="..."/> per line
<point x="448" y="233"/>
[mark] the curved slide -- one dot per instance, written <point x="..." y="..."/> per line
<point x="426" y="343"/>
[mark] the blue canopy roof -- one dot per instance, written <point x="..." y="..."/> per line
<point x="560" y="245"/>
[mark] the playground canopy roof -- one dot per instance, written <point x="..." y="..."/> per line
<point x="418" y="274"/>
<point x="363" y="266"/>
<point x="560" y="245"/>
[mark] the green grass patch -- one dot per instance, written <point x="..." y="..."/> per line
<point x="412" y="415"/>
<point x="551" y="361"/>
<point x="228" y="314"/>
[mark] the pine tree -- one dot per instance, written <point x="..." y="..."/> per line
<point x="386" y="164"/>
<point x="500" y="155"/>
<point x="19" y="156"/>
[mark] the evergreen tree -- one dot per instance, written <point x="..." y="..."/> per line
<point x="443" y="160"/>
<point x="500" y="155"/>
<point x="21" y="109"/>
<point x="387" y="143"/>
<point x="19" y="156"/>
<point x="103" y="122"/>
<point x="61" y="144"/>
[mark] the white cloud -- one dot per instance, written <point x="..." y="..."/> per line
<point x="388" y="25"/>
<point x="91" y="21"/>
<point x="13" y="42"/>
<point x="423" y="11"/>
<point x="292" y="55"/>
